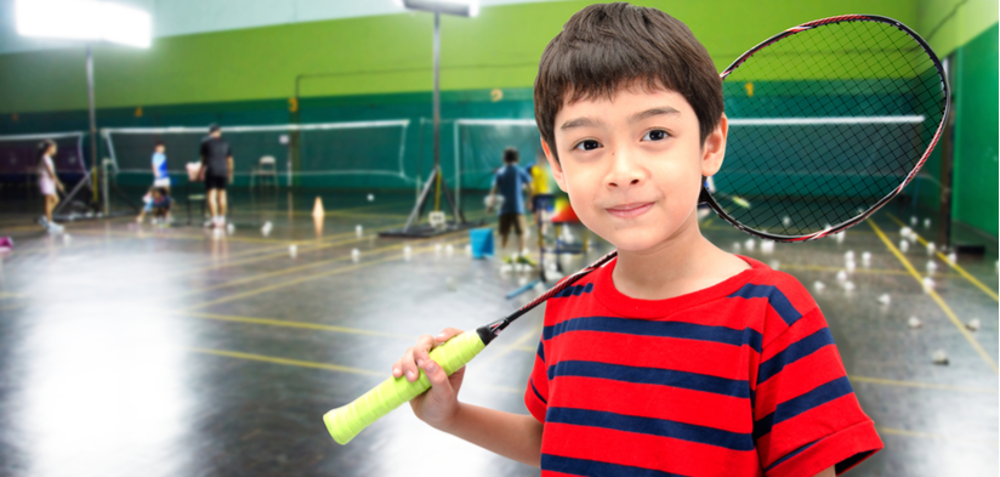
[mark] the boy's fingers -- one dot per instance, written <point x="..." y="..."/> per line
<point x="447" y="334"/>
<point x="436" y="375"/>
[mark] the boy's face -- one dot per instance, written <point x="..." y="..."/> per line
<point x="161" y="148"/>
<point x="632" y="164"/>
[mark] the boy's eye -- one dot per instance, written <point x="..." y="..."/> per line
<point x="588" y="145"/>
<point x="655" y="135"/>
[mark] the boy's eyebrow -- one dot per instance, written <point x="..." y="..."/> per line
<point x="579" y="123"/>
<point x="658" y="111"/>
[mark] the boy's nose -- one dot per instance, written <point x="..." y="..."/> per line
<point x="624" y="171"/>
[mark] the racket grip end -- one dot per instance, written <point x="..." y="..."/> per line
<point x="345" y="422"/>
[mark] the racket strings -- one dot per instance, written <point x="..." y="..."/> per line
<point x="840" y="115"/>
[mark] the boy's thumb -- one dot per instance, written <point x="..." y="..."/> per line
<point x="436" y="375"/>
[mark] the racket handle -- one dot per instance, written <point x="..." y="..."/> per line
<point x="347" y="421"/>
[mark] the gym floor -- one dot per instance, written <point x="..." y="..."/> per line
<point x="139" y="350"/>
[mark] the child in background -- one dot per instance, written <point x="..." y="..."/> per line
<point x="48" y="182"/>
<point x="542" y="201"/>
<point x="511" y="181"/>
<point x="161" y="175"/>
<point x="676" y="357"/>
<point x="157" y="202"/>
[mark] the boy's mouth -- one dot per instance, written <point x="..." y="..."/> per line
<point x="630" y="210"/>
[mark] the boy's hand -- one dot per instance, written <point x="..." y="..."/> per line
<point x="439" y="404"/>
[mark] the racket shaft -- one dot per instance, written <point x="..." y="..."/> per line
<point x="347" y="421"/>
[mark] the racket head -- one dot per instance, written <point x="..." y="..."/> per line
<point x="828" y="121"/>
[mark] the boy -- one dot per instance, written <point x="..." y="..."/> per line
<point x="511" y="181"/>
<point x="677" y="357"/>
<point x="161" y="175"/>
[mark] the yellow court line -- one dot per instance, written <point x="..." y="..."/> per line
<point x="172" y="236"/>
<point x="295" y="324"/>
<point x="915" y="384"/>
<point x="937" y="298"/>
<point x="289" y="362"/>
<point x="958" y="268"/>
<point x="927" y="435"/>
<point x="287" y="283"/>
<point x="5" y="295"/>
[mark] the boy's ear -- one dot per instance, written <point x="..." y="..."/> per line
<point x="713" y="151"/>
<point x="557" y="172"/>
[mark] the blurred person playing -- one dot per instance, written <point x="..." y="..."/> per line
<point x="217" y="171"/>
<point x="675" y="357"/>
<point x="542" y="200"/>
<point x="511" y="181"/>
<point x="160" y="205"/>
<point x="48" y="183"/>
<point x="161" y="175"/>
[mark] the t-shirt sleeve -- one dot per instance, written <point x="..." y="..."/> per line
<point x="806" y="416"/>
<point x="536" y="396"/>
<point x="525" y="176"/>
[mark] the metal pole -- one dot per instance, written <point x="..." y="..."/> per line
<point x="437" y="108"/>
<point x="94" y="161"/>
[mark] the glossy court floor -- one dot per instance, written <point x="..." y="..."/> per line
<point x="132" y="350"/>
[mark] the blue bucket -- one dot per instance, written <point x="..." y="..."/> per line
<point x="481" y="241"/>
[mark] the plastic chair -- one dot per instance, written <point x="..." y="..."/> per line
<point x="267" y="168"/>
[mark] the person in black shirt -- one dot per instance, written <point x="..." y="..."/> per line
<point x="217" y="169"/>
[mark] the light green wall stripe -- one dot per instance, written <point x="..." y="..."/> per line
<point x="498" y="49"/>
<point x="949" y="24"/>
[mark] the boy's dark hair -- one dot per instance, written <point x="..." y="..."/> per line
<point x="213" y="128"/>
<point x="606" y="47"/>
<point x="511" y="155"/>
<point x="162" y="191"/>
<point x="158" y="144"/>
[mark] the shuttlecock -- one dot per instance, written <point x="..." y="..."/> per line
<point x="293" y="250"/>
<point x="518" y="268"/>
<point x="905" y="232"/>
<point x="914" y="322"/>
<point x="451" y="284"/>
<point x="842" y="276"/>
<point x="849" y="256"/>
<point x="750" y="244"/>
<point x="913" y="221"/>
<point x="506" y="268"/>
<point x="866" y="259"/>
<point x="931" y="266"/>
<point x="359" y="230"/>
<point x="355" y="255"/>
<point x="850" y="266"/>
<point x="904" y="246"/>
<point x="928" y="284"/>
<point x="67" y="239"/>
<point x="849" y="286"/>
<point x="230" y="228"/>
<point x="931" y="248"/>
<point x="840" y="236"/>
<point x="786" y="221"/>
<point x="407" y="253"/>
<point x="266" y="229"/>
<point x="737" y="247"/>
<point x="952" y="257"/>
<point x="767" y="247"/>
<point x="468" y="250"/>
<point x="449" y="250"/>
<point x="818" y="286"/>
<point x="371" y="197"/>
<point x="973" y="324"/>
<point x="438" y="248"/>
<point x="927" y="223"/>
<point x="885" y="299"/>
<point x="940" y="357"/>
<point x="775" y="264"/>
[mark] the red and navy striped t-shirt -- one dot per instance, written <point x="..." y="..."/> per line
<point x="741" y="378"/>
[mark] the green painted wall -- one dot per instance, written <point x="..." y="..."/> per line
<point x="498" y="49"/>
<point x="976" y="105"/>
<point x="949" y="24"/>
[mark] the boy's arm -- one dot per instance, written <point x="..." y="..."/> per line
<point x="517" y="437"/>
<point x="493" y="193"/>
<point x="229" y="163"/>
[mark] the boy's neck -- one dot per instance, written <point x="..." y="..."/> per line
<point x="684" y="263"/>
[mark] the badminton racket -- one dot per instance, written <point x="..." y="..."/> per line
<point x="829" y="120"/>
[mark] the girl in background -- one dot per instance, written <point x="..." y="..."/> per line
<point x="48" y="182"/>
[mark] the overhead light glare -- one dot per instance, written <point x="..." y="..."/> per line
<point x="84" y="20"/>
<point x="464" y="8"/>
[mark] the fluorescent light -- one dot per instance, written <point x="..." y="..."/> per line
<point x="84" y="20"/>
<point x="465" y="8"/>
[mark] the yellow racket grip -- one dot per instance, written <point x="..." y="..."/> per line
<point x="347" y="421"/>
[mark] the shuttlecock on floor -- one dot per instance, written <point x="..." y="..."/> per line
<point x="840" y="236"/>
<point x="885" y="299"/>
<point x="266" y="229"/>
<point x="767" y="247"/>
<point x="506" y="269"/>
<point x="842" y="276"/>
<point x="371" y="197"/>
<point x="449" y="250"/>
<point x="973" y="324"/>
<point x="866" y="259"/>
<point x="928" y="284"/>
<point x="818" y="286"/>
<point x="849" y="255"/>
<point x="67" y="239"/>
<point x="905" y="232"/>
<point x="451" y="284"/>
<point x="407" y="253"/>
<point x="293" y="250"/>
<point x="940" y="357"/>
<point x="850" y="266"/>
<point x="359" y="230"/>
<point x="904" y="246"/>
<point x="355" y="255"/>
<point x="952" y="257"/>
<point x="931" y="248"/>
<point x="931" y="266"/>
<point x="914" y="322"/>
<point x="913" y="221"/>
<point x="774" y="264"/>
<point x="468" y="249"/>
<point x="750" y="244"/>
<point x="438" y="248"/>
<point x="230" y="228"/>
<point x="927" y="223"/>
<point x="849" y="286"/>
<point x="737" y="247"/>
